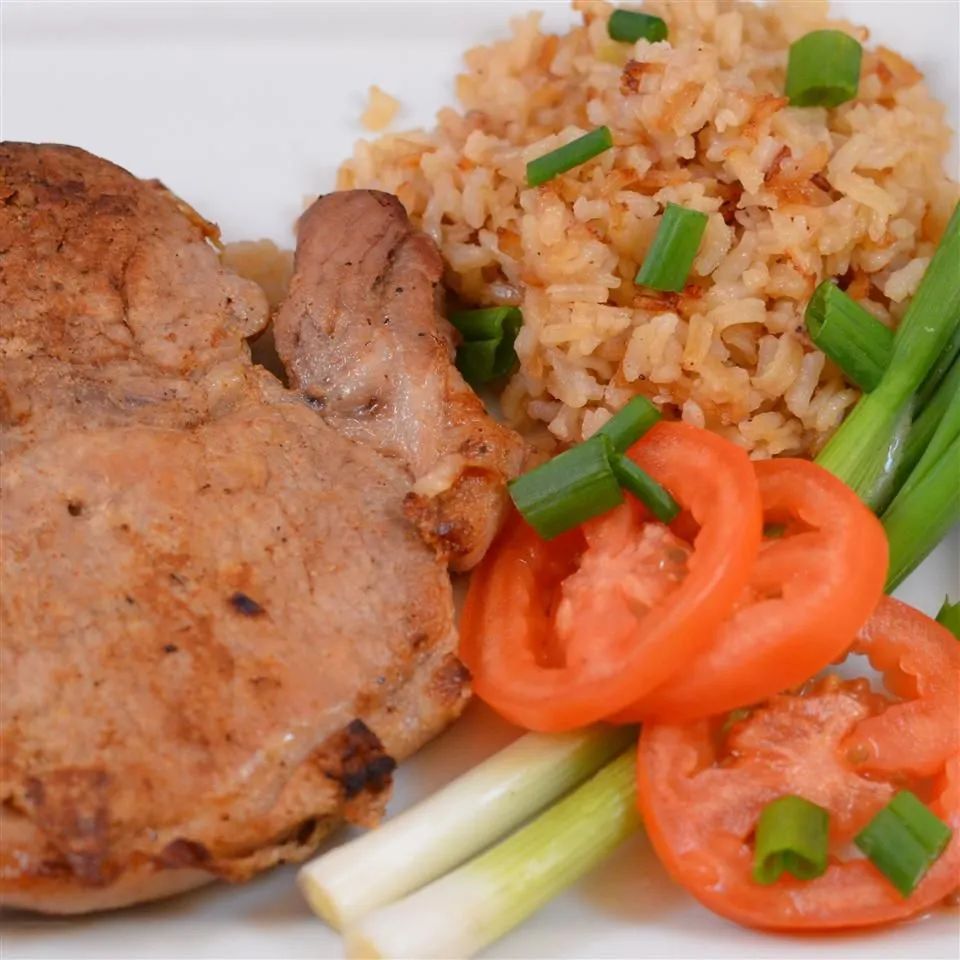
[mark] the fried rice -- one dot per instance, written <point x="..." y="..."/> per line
<point x="793" y="195"/>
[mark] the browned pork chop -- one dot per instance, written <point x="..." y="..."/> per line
<point x="220" y="627"/>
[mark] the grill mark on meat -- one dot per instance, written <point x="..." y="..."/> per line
<point x="362" y="763"/>
<point x="246" y="605"/>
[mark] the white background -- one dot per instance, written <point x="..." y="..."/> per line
<point x="245" y="109"/>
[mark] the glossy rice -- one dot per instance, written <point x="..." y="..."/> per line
<point x="793" y="196"/>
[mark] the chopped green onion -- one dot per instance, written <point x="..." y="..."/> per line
<point x="459" y="914"/>
<point x="791" y="836"/>
<point x="630" y="423"/>
<point x="919" y="517"/>
<point x="644" y="488"/>
<point x="487" y="323"/>
<point x="572" y="487"/>
<point x="454" y="823"/>
<point x="823" y="69"/>
<point x="668" y="262"/>
<point x="924" y="332"/>
<point x="903" y="840"/>
<point x="628" y="26"/>
<point x="943" y="407"/>
<point x="850" y="335"/>
<point x="487" y="351"/>
<point x="773" y="531"/>
<point x="567" y="157"/>
<point x="949" y="616"/>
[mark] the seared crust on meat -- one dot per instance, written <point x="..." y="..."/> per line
<point x="220" y="630"/>
<point x="363" y="335"/>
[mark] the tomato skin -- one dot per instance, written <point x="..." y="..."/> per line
<point x="508" y="637"/>
<point x="830" y="576"/>
<point x="699" y="813"/>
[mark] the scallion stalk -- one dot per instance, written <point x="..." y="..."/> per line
<point x="850" y="335"/>
<point x="489" y="333"/>
<point x="791" y="836"/>
<point x="903" y="840"/>
<point x="630" y="423"/>
<point x="919" y="518"/>
<point x="461" y="913"/>
<point x="667" y="264"/>
<point x="949" y="616"/>
<point x="823" y="69"/>
<point x="570" y="155"/>
<point x="454" y="823"/>
<point x="942" y="405"/>
<point x="486" y="323"/>
<point x="629" y="26"/>
<point x="927" y="327"/>
<point x="940" y="369"/>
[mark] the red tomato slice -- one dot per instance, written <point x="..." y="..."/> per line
<point x="838" y="744"/>
<point x="560" y="634"/>
<point x="811" y="590"/>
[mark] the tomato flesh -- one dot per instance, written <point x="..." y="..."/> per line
<point x="637" y="604"/>
<point x="837" y="743"/>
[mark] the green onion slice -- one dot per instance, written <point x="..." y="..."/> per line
<point x="823" y="69"/>
<point x="668" y="262"/>
<point x="630" y="423"/>
<point x="567" y="157"/>
<point x="903" y="840"/>
<point x="644" y="488"/>
<point x="569" y="489"/>
<point x="851" y="336"/>
<point x="791" y="835"/>
<point x="489" y="334"/>
<point x="629" y="26"/>
<point x="949" y="616"/>
<point x="487" y="323"/>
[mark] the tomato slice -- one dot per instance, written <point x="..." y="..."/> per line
<point x="811" y="590"/>
<point x="840" y="745"/>
<point x="560" y="634"/>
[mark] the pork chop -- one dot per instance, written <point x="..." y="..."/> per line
<point x="221" y="627"/>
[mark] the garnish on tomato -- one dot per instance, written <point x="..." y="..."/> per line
<point x="561" y="634"/>
<point x="836" y="743"/>
<point x="811" y="589"/>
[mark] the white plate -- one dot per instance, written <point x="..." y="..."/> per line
<point x="244" y="109"/>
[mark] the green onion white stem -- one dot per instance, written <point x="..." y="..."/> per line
<point x="460" y="914"/>
<point x="454" y="823"/>
<point x="923" y="334"/>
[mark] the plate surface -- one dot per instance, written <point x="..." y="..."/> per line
<point x="245" y="109"/>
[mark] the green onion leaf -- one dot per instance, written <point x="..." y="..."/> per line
<point x="823" y="69"/>
<point x="569" y="489"/>
<point x="903" y="840"/>
<point x="567" y="157"/>
<point x="668" y="262"/>
<point x="851" y="336"/>
<point x="644" y="488"/>
<point x="486" y="323"/>
<point x="949" y="616"/>
<point x="628" y="26"/>
<point x="630" y="423"/>
<point x="931" y="431"/>
<point x="792" y="836"/>
<point x="920" y="516"/>
<point x="489" y="334"/>
<point x="931" y="385"/>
